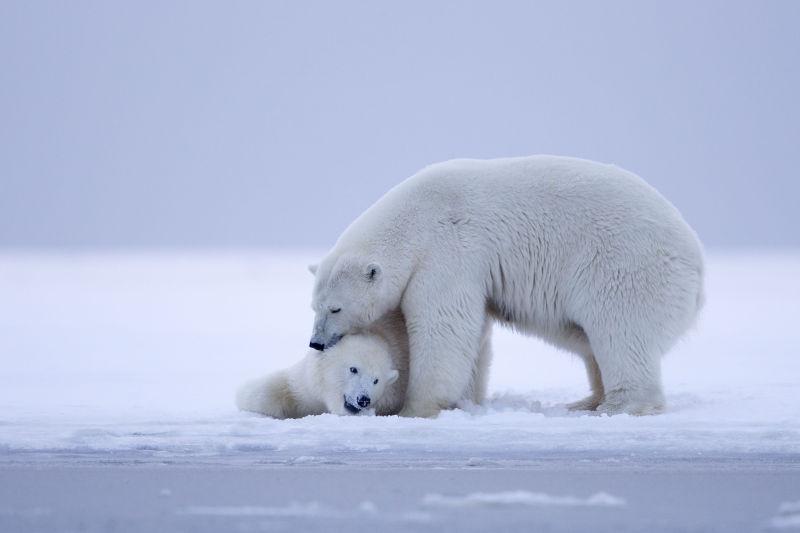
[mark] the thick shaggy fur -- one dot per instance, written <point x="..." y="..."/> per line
<point x="585" y="255"/>
<point x="323" y="382"/>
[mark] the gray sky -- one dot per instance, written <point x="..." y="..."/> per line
<point x="277" y="123"/>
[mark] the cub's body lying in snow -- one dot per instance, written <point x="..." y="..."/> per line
<point x="324" y="382"/>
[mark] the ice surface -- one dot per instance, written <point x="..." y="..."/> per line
<point x="691" y="496"/>
<point x="137" y="356"/>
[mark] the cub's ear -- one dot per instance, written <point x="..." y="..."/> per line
<point x="392" y="377"/>
<point x="313" y="269"/>
<point x="373" y="272"/>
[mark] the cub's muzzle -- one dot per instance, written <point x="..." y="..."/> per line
<point x="352" y="409"/>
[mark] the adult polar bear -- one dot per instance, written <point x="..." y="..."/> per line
<point x="587" y="256"/>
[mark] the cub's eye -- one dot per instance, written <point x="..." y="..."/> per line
<point x="375" y="382"/>
<point x="334" y="311"/>
<point x="353" y="370"/>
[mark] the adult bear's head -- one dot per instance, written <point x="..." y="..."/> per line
<point x="349" y="294"/>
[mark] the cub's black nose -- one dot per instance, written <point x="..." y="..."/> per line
<point x="363" y="401"/>
<point x="317" y="346"/>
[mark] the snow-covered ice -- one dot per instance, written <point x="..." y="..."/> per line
<point x="519" y="497"/>
<point x="124" y="366"/>
<point x="136" y="356"/>
<point x="292" y="510"/>
<point x="788" y="516"/>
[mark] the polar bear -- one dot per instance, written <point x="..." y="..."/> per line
<point x="357" y="376"/>
<point x="584" y="255"/>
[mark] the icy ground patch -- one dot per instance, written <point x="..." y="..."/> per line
<point x="136" y="356"/>
<point x="118" y="371"/>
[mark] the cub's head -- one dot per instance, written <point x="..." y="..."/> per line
<point x="349" y="294"/>
<point x="356" y="373"/>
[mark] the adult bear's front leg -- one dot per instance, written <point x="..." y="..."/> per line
<point x="445" y="327"/>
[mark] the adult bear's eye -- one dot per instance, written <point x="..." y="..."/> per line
<point x="334" y="311"/>
<point x="375" y="382"/>
<point x="353" y="370"/>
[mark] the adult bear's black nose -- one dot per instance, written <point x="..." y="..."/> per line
<point x="317" y="346"/>
<point x="363" y="401"/>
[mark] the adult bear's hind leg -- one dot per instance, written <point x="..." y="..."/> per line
<point x="639" y="314"/>
<point x="631" y="376"/>
<point x="573" y="338"/>
<point x="591" y="402"/>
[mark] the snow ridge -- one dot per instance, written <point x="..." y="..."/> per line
<point x="521" y="497"/>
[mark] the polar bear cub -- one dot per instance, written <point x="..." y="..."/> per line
<point x="355" y="377"/>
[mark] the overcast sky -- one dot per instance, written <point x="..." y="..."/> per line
<point x="276" y="123"/>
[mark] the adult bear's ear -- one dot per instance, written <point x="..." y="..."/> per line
<point x="392" y="377"/>
<point x="373" y="272"/>
<point x="313" y="269"/>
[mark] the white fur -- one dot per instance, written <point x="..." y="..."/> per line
<point x="322" y="381"/>
<point x="587" y="256"/>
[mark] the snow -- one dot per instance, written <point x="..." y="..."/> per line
<point x="520" y="497"/>
<point x="314" y="509"/>
<point x="135" y="356"/>
<point x="292" y="510"/>
<point x="788" y="516"/>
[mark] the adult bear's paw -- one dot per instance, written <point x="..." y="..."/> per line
<point x="590" y="403"/>
<point x="635" y="403"/>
